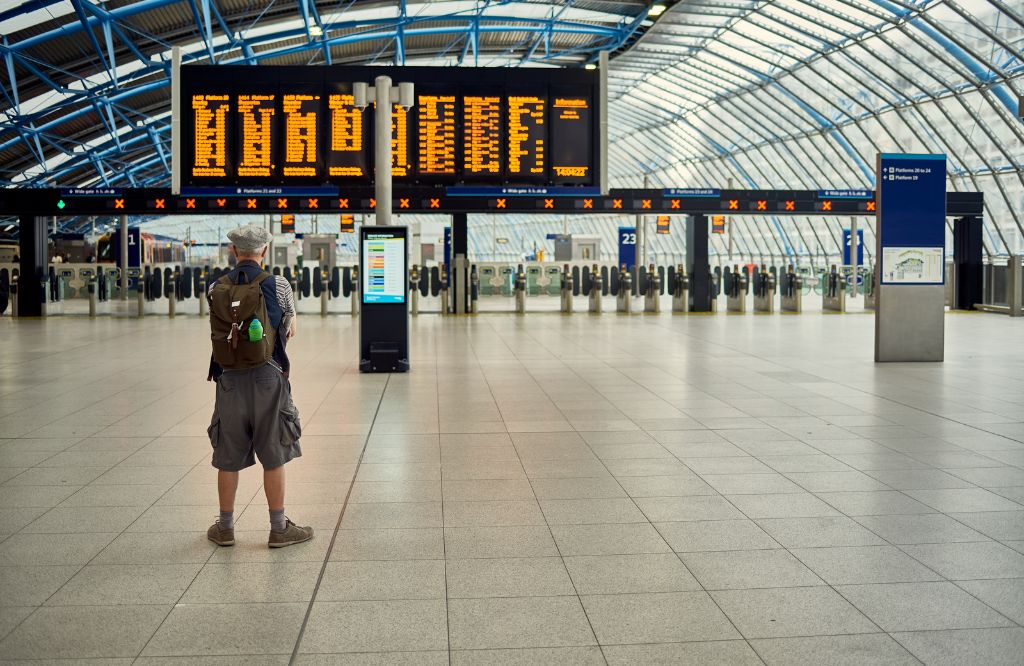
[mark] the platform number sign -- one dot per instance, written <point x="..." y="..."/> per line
<point x="288" y="224"/>
<point x="348" y="224"/>
<point x="627" y="246"/>
<point x="664" y="224"/>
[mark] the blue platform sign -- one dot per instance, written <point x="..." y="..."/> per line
<point x="627" y="246"/>
<point x="912" y="218"/>
<point x="846" y="247"/>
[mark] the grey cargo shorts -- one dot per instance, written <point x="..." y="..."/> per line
<point x="254" y="416"/>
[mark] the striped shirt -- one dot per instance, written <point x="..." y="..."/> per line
<point x="282" y="288"/>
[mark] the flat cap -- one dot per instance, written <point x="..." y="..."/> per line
<point x="250" y="237"/>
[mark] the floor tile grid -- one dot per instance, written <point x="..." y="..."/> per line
<point x="72" y="442"/>
<point x="90" y="561"/>
<point x="593" y="633"/>
<point x="626" y="494"/>
<point x="787" y="550"/>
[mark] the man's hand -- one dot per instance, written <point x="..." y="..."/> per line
<point x="291" y="330"/>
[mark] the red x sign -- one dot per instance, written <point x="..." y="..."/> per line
<point x="118" y="203"/>
<point x="588" y="203"/>
<point x="373" y="203"/>
<point x="190" y="203"/>
<point x="675" y="204"/>
<point x="500" y="203"/>
<point x="342" y="203"/>
<point x="313" y="203"/>
<point x="826" y="205"/>
<point x="871" y="205"/>
<point x="790" y="205"/>
<point x="616" y="203"/>
<point x="549" y="203"/>
<point x="161" y="203"/>
<point x="250" y="203"/>
<point x="762" y="205"/>
<point x="221" y="203"/>
<point x="282" y="203"/>
<point x="435" y="203"/>
<point x="403" y="203"/>
<point x="734" y="204"/>
<point x="645" y="203"/>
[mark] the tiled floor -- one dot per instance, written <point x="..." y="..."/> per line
<point x="540" y="489"/>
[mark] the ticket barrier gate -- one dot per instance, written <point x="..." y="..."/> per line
<point x="88" y="275"/>
<point x="566" y="289"/>
<point x="870" y="300"/>
<point x="764" y="291"/>
<point x="414" y="290"/>
<point x="679" y="283"/>
<point x="715" y="287"/>
<point x="354" y="290"/>
<point x="790" y="291"/>
<point x="520" y="288"/>
<point x="593" y="287"/>
<point x="443" y="275"/>
<point x="833" y="292"/>
<point x="652" y="292"/>
<point x="737" y="285"/>
<point x="474" y="290"/>
<point x="624" y="297"/>
<point x="14" y="293"/>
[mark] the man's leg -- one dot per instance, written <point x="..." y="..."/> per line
<point x="227" y="486"/>
<point x="273" y="486"/>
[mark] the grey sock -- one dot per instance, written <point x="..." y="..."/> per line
<point x="278" y="523"/>
<point x="227" y="520"/>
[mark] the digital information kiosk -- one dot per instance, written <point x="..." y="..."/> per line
<point x="384" y="321"/>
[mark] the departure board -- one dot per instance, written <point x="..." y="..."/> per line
<point x="210" y="138"/>
<point x="481" y="129"/>
<point x="281" y="125"/>
<point x="255" y="141"/>
<point x="347" y="154"/>
<point x="526" y="136"/>
<point x="436" y="133"/>
<point x="570" y="150"/>
<point x="400" y="161"/>
<point x="301" y="113"/>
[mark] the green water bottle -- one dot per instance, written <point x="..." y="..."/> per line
<point x="255" y="331"/>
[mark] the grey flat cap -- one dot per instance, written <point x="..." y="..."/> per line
<point x="250" y="237"/>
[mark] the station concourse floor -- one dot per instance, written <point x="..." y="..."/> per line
<point x="539" y="489"/>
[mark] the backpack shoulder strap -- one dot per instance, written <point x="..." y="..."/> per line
<point x="225" y="279"/>
<point x="263" y="275"/>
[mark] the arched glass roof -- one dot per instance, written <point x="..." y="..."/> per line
<point x="752" y="93"/>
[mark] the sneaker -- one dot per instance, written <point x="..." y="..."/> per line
<point x="292" y="534"/>
<point x="222" y="536"/>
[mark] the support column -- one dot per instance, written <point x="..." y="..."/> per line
<point x="34" y="255"/>
<point x="967" y="267"/>
<point x="124" y="258"/>
<point x="459" y="270"/>
<point x="697" y="266"/>
<point x="382" y="150"/>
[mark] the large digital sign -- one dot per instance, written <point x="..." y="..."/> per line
<point x="269" y="125"/>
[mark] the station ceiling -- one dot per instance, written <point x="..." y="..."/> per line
<point x="704" y="93"/>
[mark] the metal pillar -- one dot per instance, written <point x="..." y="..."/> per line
<point x="697" y="266"/>
<point x="33" y="267"/>
<point x="124" y="258"/>
<point x="382" y="150"/>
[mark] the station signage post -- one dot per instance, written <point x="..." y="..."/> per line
<point x="911" y="239"/>
<point x="384" y="291"/>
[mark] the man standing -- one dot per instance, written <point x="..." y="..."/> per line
<point x="254" y="416"/>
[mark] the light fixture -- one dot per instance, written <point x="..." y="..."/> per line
<point x="656" y="10"/>
<point x="315" y="31"/>
<point x="590" y="65"/>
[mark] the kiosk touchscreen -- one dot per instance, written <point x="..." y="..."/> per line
<point x="384" y="287"/>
